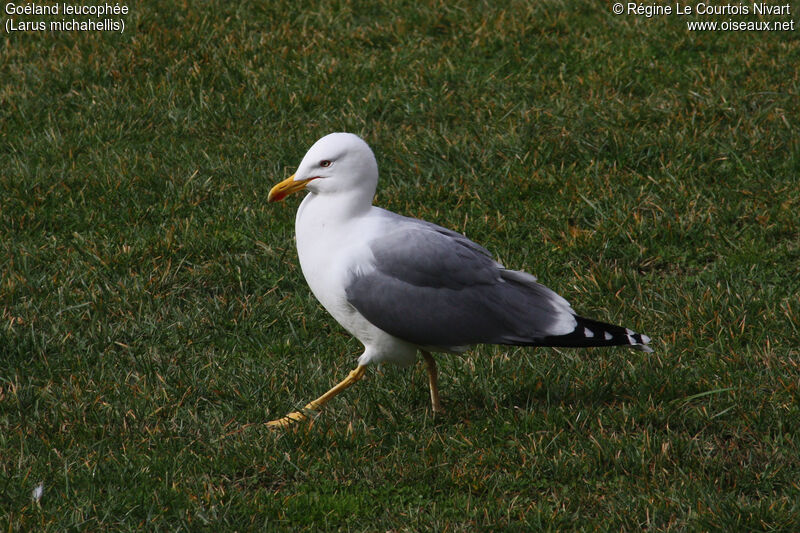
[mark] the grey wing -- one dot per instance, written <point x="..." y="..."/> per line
<point x="436" y="288"/>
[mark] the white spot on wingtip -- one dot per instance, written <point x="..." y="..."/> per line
<point x="645" y="339"/>
<point x="608" y="336"/>
<point x="588" y="333"/>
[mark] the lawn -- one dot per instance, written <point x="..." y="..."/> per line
<point x="153" y="314"/>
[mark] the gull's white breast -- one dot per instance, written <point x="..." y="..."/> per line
<point x="332" y="247"/>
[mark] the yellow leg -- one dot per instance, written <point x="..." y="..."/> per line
<point x="317" y="404"/>
<point x="433" y="376"/>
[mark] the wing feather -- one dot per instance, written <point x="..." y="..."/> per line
<point x="434" y="287"/>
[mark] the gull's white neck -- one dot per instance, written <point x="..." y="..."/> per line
<point x="321" y="211"/>
<point x="327" y="228"/>
<point x="323" y="225"/>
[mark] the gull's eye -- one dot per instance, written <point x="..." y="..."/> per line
<point x="325" y="163"/>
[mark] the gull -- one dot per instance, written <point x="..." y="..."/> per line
<point x="404" y="286"/>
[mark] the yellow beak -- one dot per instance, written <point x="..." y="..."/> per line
<point x="285" y="188"/>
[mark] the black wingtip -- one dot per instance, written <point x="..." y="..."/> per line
<point x="590" y="332"/>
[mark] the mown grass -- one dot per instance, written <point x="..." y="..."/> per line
<point x="154" y="316"/>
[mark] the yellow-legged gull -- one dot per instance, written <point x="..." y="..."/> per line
<point x="404" y="286"/>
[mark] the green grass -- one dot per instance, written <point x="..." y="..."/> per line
<point x="153" y="315"/>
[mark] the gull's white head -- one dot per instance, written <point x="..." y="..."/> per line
<point x="337" y="163"/>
